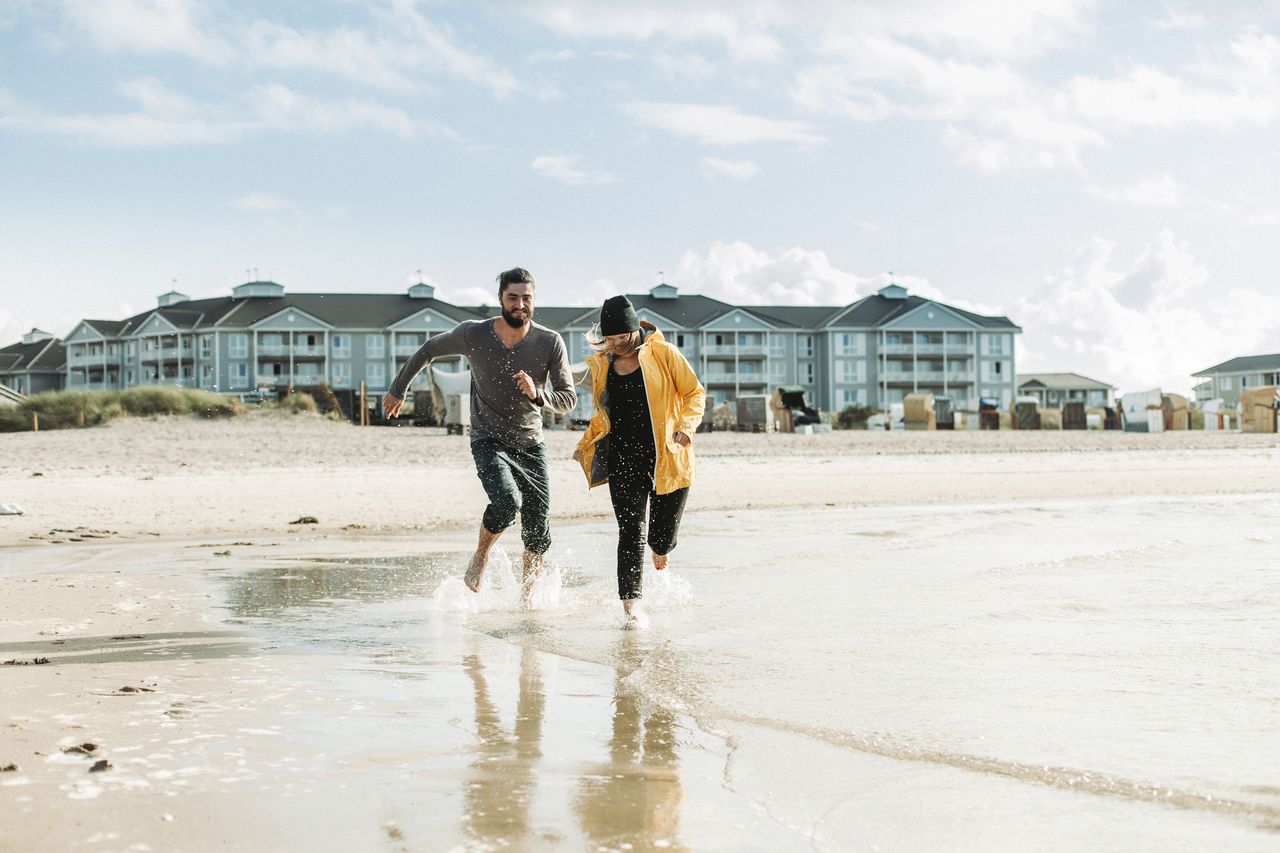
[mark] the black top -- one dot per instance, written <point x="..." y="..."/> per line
<point x="631" y="448"/>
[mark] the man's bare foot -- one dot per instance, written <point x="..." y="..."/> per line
<point x="659" y="561"/>
<point x="532" y="570"/>
<point x="480" y="560"/>
<point x="635" y="617"/>
<point x="475" y="570"/>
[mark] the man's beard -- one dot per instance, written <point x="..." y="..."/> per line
<point x="516" y="322"/>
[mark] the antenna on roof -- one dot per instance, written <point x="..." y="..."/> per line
<point x="419" y="276"/>
<point x="661" y="276"/>
<point x="255" y="273"/>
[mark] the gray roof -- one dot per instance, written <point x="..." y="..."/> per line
<point x="876" y="310"/>
<point x="801" y="316"/>
<point x="1244" y="364"/>
<point x="1063" y="380"/>
<point x="47" y="355"/>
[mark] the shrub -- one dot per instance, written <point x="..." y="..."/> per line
<point x="326" y="401"/>
<point x="852" y="417"/>
<point x="299" y="401"/>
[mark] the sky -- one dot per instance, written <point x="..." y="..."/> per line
<point x="1107" y="175"/>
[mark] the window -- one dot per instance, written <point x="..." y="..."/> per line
<point x="849" y="343"/>
<point x="850" y="371"/>
<point x="131" y="349"/>
<point x="206" y="346"/>
<point x="240" y="375"/>
<point x="777" y="345"/>
<point x="748" y="367"/>
<point x="341" y="372"/>
<point x="850" y="396"/>
<point x="1224" y="382"/>
<point x="237" y="346"/>
<point x="806" y="373"/>
<point x="679" y="341"/>
<point x="1244" y="382"/>
<point x="376" y="375"/>
<point x="341" y="346"/>
<point x="375" y="346"/>
<point x="806" y="346"/>
<point x="996" y="345"/>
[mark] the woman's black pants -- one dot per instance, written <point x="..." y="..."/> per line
<point x="632" y="494"/>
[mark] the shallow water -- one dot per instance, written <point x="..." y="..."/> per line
<point x="1059" y="676"/>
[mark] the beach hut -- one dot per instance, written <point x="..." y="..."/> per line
<point x="1176" y="412"/>
<point x="988" y="413"/>
<point x="1074" y="415"/>
<point x="754" y="413"/>
<point x="790" y="409"/>
<point x="945" y="414"/>
<point x="1143" y="411"/>
<point x="918" y="412"/>
<point x="1258" y="408"/>
<point x="1026" y="413"/>
<point x="1217" y="415"/>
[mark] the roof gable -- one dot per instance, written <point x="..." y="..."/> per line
<point x="156" y="324"/>
<point x="739" y="319"/>
<point x="427" y="320"/>
<point x="931" y="315"/>
<point x="288" y="318"/>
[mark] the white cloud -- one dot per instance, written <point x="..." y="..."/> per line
<point x="1159" y="191"/>
<point x="1150" y="322"/>
<point x="345" y="52"/>
<point x="150" y="26"/>
<point x="169" y="118"/>
<point x="739" y="274"/>
<point x="567" y="171"/>
<point x="719" y="125"/>
<point x="737" y="169"/>
<point x="265" y="203"/>
<point x="757" y="30"/>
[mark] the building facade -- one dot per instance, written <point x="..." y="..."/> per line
<point x="34" y="364"/>
<point x="1228" y="379"/>
<point x="872" y="353"/>
<point x="1054" y="389"/>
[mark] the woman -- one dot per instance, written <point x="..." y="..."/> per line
<point x="648" y="404"/>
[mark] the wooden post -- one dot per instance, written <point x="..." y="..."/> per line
<point x="35" y="421"/>
<point x="80" y="418"/>
<point x="364" y="405"/>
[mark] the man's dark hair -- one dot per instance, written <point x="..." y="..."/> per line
<point x="513" y="276"/>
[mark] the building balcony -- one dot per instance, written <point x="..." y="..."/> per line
<point x="949" y="348"/>
<point x="303" y="351"/>
<point x="930" y="376"/>
<point x="296" y="379"/>
<point x="407" y="349"/>
<point x="272" y="349"/>
<point x="735" y="379"/>
<point x="731" y="350"/>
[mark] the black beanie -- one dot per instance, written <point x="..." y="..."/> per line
<point x="617" y="317"/>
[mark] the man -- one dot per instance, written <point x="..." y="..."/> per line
<point x="512" y="359"/>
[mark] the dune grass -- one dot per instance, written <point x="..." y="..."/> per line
<point x="63" y="409"/>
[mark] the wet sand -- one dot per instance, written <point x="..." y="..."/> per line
<point x="239" y="672"/>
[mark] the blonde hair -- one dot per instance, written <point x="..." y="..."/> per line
<point x="599" y="343"/>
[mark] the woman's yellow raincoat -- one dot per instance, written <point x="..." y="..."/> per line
<point x="676" y="399"/>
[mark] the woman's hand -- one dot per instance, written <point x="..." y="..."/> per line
<point x="681" y="439"/>
<point x="577" y="455"/>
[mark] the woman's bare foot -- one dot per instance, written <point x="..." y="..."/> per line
<point x="635" y="617"/>
<point x="659" y="561"/>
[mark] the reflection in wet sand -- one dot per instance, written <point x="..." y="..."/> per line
<point x="501" y="789"/>
<point x="635" y="797"/>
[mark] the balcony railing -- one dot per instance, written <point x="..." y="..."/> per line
<point x="407" y="349"/>
<point x="732" y="350"/>
<point x="308" y="351"/>
<point x="297" y="379"/>
<point x="949" y="348"/>
<point x="735" y="379"/>
<point x="273" y="349"/>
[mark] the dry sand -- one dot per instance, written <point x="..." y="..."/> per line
<point x="142" y="663"/>
<point x="249" y="477"/>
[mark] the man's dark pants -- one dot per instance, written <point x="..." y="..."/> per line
<point x="516" y="482"/>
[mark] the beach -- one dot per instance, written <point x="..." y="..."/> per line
<point x="891" y="641"/>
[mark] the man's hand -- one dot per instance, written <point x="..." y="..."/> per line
<point x="391" y="405"/>
<point x="526" y="384"/>
<point x="681" y="439"/>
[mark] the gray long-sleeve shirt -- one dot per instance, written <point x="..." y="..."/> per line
<point x="499" y="409"/>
